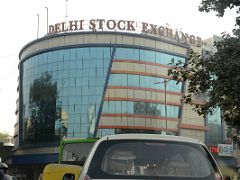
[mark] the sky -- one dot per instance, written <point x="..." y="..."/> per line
<point x="19" y="26"/>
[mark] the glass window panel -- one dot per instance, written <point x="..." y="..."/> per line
<point x="113" y="79"/>
<point x="84" y="99"/>
<point x="84" y="91"/>
<point x="107" y="52"/>
<point x="72" y="99"/>
<point x="152" y="81"/>
<point x="118" y="107"/>
<point x="139" y="107"/>
<point x="148" y="82"/>
<point x="65" y="82"/>
<point x="67" y="55"/>
<point x="73" y="54"/>
<point x="158" y="58"/>
<point x="79" y="63"/>
<point x="99" y="63"/>
<point x="146" y="55"/>
<point x="65" y="91"/>
<point x="92" y="72"/>
<point x="79" y="73"/>
<point x="71" y="109"/>
<point x="172" y="111"/>
<point x="170" y="59"/>
<point x="162" y="58"/>
<point x="78" y="110"/>
<point x="72" y="90"/>
<point x="92" y="63"/>
<point x="45" y="58"/>
<point x="86" y="64"/>
<point x="72" y="64"/>
<point x="65" y="73"/>
<point x="60" y="65"/>
<point x="106" y="64"/>
<point x="85" y="82"/>
<point x="130" y="107"/>
<point x="92" y="99"/>
<point x="92" y="91"/>
<point x="133" y="80"/>
<point x="124" y="107"/>
<point x="143" y="81"/>
<point x="60" y="74"/>
<point x="100" y="81"/>
<point x="84" y="127"/>
<point x="123" y="80"/>
<point x="173" y="86"/>
<point x="96" y="53"/>
<point x="50" y="57"/>
<point x="99" y="90"/>
<point x="79" y="53"/>
<point x="159" y="83"/>
<point x="67" y="64"/>
<point x="54" y="55"/>
<point x="99" y="72"/>
<point x="105" y="107"/>
<point x="86" y="72"/>
<point x="127" y="53"/>
<point x="78" y="98"/>
<point x="72" y="81"/>
<point x="51" y="67"/>
<point x="84" y="116"/>
<point x="111" y="107"/>
<point x="73" y="73"/>
<point x="61" y="55"/>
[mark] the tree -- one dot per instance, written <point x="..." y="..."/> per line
<point x="219" y="6"/>
<point x="218" y="76"/>
<point x="43" y="111"/>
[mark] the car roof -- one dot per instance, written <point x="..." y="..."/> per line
<point x="151" y="137"/>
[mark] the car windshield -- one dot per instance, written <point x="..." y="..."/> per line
<point x="144" y="159"/>
<point x="75" y="152"/>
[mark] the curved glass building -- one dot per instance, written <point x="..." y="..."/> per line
<point x="90" y="84"/>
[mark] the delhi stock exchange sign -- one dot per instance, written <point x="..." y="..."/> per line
<point x="225" y="149"/>
<point x="124" y="25"/>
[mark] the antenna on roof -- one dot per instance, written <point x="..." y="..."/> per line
<point x="37" y="25"/>
<point x="66" y="16"/>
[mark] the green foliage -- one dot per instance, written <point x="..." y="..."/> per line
<point x="218" y="77"/>
<point x="220" y="6"/>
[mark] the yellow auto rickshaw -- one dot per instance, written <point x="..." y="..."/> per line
<point x="61" y="172"/>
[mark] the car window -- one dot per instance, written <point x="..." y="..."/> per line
<point x="152" y="159"/>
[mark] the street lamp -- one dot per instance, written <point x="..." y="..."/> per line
<point x="38" y="26"/>
<point x="165" y="81"/>
<point x="47" y="18"/>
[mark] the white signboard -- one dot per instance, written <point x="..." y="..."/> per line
<point x="225" y="150"/>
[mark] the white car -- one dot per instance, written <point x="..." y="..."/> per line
<point x="150" y="156"/>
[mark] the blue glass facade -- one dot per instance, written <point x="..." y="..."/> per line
<point x="79" y="76"/>
<point x="62" y="91"/>
<point x="141" y="81"/>
<point x="215" y="133"/>
<point x="129" y="107"/>
<point x="147" y="56"/>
